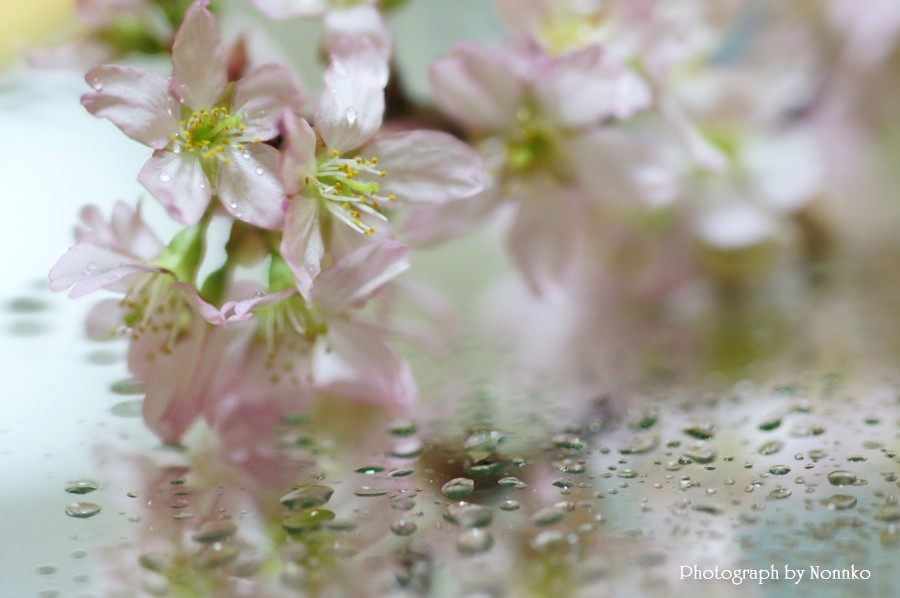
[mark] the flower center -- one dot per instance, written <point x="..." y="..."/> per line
<point x="563" y="32"/>
<point x="154" y="307"/>
<point x="530" y="144"/>
<point x="210" y="133"/>
<point x="287" y="329"/>
<point x="348" y="196"/>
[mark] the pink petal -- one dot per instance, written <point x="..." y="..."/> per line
<point x="199" y="61"/>
<point x="431" y="224"/>
<point x="298" y="158"/>
<point x="104" y="319"/>
<point x="301" y="244"/>
<point x="179" y="183"/>
<point x="87" y="268"/>
<point x="262" y="95"/>
<point x="363" y="21"/>
<point x="354" y="277"/>
<point x="352" y="104"/>
<point x="477" y="87"/>
<point x="135" y="100"/>
<point x="249" y="187"/>
<point x="132" y="234"/>
<point x="612" y="166"/>
<point x="583" y="88"/>
<point x="356" y="363"/>
<point x="425" y="166"/>
<point x="238" y="311"/>
<point x="544" y="235"/>
<point x="285" y="9"/>
<point x="700" y="149"/>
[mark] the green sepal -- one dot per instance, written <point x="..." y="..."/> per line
<point x="185" y="252"/>
<point x="280" y="275"/>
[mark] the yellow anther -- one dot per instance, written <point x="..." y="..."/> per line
<point x="227" y="160"/>
<point x="335" y="153"/>
<point x="374" y="160"/>
<point x="257" y="140"/>
<point x="242" y="127"/>
<point x="241" y="148"/>
<point x="382" y="173"/>
<point x="392" y="197"/>
<point x="368" y="162"/>
<point x="195" y="115"/>
<point x="307" y="181"/>
<point x="356" y="222"/>
<point x="354" y="213"/>
<point x="358" y="160"/>
<point x="375" y="204"/>
<point x="345" y="205"/>
<point x="173" y="137"/>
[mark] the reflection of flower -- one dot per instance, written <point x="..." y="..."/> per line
<point x="344" y="173"/>
<point x="206" y="133"/>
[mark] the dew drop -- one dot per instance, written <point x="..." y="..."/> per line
<point x="96" y="83"/>
<point x="164" y="177"/>
<point x="467" y="515"/>
<point x="153" y="561"/>
<point x="779" y="470"/>
<point x="888" y="513"/>
<point x="509" y="505"/>
<point x="259" y="170"/>
<point x="770" y="448"/>
<point x="245" y="155"/>
<point x="45" y="570"/>
<point x="370" y="492"/>
<point x="841" y="478"/>
<point x="548" y="516"/>
<point x="132" y="408"/>
<point x="458" y="488"/>
<point x="779" y="493"/>
<point x="402" y="503"/>
<point x="82" y="510"/>
<point x="351" y="114"/>
<point x="839" y="502"/>
<point x="214" y="531"/>
<point x="369" y="469"/>
<point x="215" y="555"/>
<point x="307" y="520"/>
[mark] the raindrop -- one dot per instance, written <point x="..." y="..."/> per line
<point x="233" y="204"/>
<point x="458" y="488"/>
<point x="839" y="502"/>
<point x="700" y="453"/>
<point x="780" y="493"/>
<point x="132" y="408"/>
<point x="407" y="449"/>
<point x="259" y="170"/>
<point x="45" y="570"/>
<point x="26" y="305"/>
<point x="156" y="562"/>
<point x="369" y="492"/>
<point x="83" y="486"/>
<point x="805" y="429"/>
<point x="509" y="505"/>
<point x="466" y="514"/>
<point x="215" y="555"/>
<point x="245" y="155"/>
<point x="127" y="387"/>
<point x="404" y="527"/>
<point x="509" y="482"/>
<point x="702" y="430"/>
<point x="305" y="497"/>
<point x="213" y="531"/>
<point x="548" y="540"/>
<point x="402" y="503"/>
<point x="82" y="510"/>
<point x="164" y="177"/>
<point x="474" y="541"/>
<point x="564" y="483"/>
<point x="817" y="454"/>
<point x="779" y="470"/>
<point x="640" y="443"/>
<point x="351" y="114"/>
<point x="370" y="469"/>
<point x="568" y="441"/>
<point x="403" y="428"/>
<point x="96" y="83"/>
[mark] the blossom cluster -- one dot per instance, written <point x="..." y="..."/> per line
<point x="629" y="144"/>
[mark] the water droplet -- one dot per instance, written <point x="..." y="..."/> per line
<point x="132" y="408"/>
<point x="770" y="448"/>
<point x="640" y="443"/>
<point x="548" y="541"/>
<point x="369" y="492"/>
<point x="402" y="503"/>
<point x="82" y="510"/>
<point x="466" y="514"/>
<point x="839" y="502"/>
<point x="307" y="520"/>
<point x="82" y="486"/>
<point x="890" y="536"/>
<point x="548" y="516"/>
<point x="215" y="555"/>
<point x="564" y="483"/>
<point x="127" y="387"/>
<point x="888" y="513"/>
<point x="245" y="155"/>
<point x="407" y="449"/>
<point x="509" y="481"/>
<point x="96" y="83"/>
<point x="154" y="561"/>
<point x="700" y="452"/>
<point x="369" y="469"/>
<point x="164" y="176"/>
<point x="404" y="527"/>
<point x="233" y="204"/>
<point x="45" y="570"/>
<point x="403" y="427"/>
<point x="841" y="478"/>
<point x="509" y="505"/>
<point x="351" y="114"/>
<point x="568" y="441"/>
<point x="305" y="497"/>
<point x="778" y="493"/>
<point x="26" y="305"/>
<point x="458" y="488"/>
<point x="474" y="541"/>
<point x="805" y="429"/>
<point x="779" y="470"/>
<point x="213" y="531"/>
<point x="259" y="170"/>
<point x="569" y="466"/>
<point x="702" y="430"/>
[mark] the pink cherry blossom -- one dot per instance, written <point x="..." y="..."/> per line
<point x="207" y="135"/>
<point x="344" y="171"/>
<point x="358" y="20"/>
<point x="542" y="121"/>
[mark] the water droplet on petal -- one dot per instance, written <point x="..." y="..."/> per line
<point x="81" y="486"/>
<point x="780" y="493"/>
<point x="458" y="488"/>
<point x="351" y="114"/>
<point x="213" y="531"/>
<point x="404" y="528"/>
<point x="96" y="83"/>
<point x="259" y="170"/>
<point x="474" y="541"/>
<point x="164" y="176"/>
<point x="245" y="155"/>
<point x="839" y="502"/>
<point x="467" y="515"/>
<point x="306" y="497"/>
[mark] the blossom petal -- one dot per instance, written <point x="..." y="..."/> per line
<point x="351" y="108"/>
<point x="179" y="183"/>
<point x="429" y="224"/>
<point x="137" y="101"/>
<point x="477" y="87"/>
<point x="199" y="61"/>
<point x="584" y="87"/>
<point x="298" y="157"/>
<point x="425" y="166"/>
<point x="363" y="21"/>
<point x="285" y="9"/>
<point x="105" y="319"/>
<point x="613" y="166"/>
<point x="249" y="187"/>
<point x="354" y="277"/>
<point x="544" y="236"/>
<point x="132" y="234"/>
<point x="301" y="244"/>
<point x="360" y="365"/>
<point x="262" y="95"/>
<point x="87" y="267"/>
